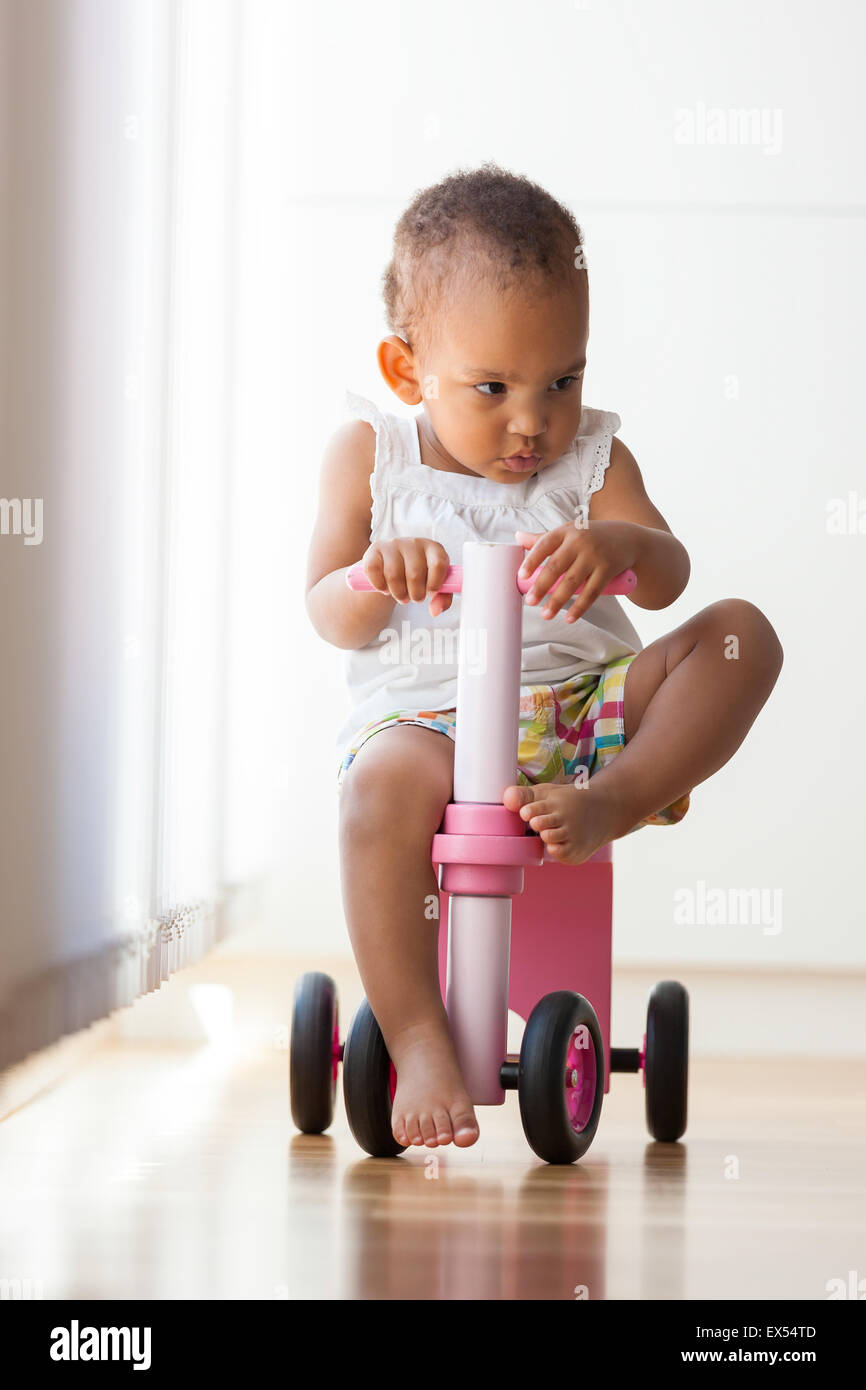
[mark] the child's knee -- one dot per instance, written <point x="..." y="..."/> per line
<point x="747" y="632"/>
<point x="390" y="789"/>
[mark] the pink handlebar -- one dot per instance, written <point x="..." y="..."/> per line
<point x="622" y="583"/>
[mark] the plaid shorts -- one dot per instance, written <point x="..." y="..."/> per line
<point x="567" y="732"/>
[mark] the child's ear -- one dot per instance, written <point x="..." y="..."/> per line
<point x="397" y="365"/>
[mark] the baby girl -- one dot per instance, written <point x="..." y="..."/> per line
<point x="488" y="300"/>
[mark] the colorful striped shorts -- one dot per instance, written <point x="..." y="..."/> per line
<point x="567" y="732"/>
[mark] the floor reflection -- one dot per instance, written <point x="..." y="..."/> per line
<point x="662" y="1231"/>
<point x="455" y="1235"/>
<point x="156" y="1173"/>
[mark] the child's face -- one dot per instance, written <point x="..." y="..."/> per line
<point x="504" y="377"/>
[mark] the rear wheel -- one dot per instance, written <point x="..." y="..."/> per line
<point x="312" y="1052"/>
<point x="666" y="1061"/>
<point x="560" y="1082"/>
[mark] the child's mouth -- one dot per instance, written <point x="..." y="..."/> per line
<point x="520" y="463"/>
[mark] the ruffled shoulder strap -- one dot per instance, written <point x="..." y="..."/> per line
<point x="593" y="445"/>
<point x="356" y="407"/>
<point x="392" y="448"/>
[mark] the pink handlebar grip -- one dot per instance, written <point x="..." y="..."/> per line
<point x="622" y="583"/>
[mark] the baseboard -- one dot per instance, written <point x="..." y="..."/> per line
<point x="747" y="1012"/>
<point x="22" y="1083"/>
<point x="61" y="1014"/>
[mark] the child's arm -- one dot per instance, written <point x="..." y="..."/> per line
<point x="341" y="535"/>
<point x="662" y="563"/>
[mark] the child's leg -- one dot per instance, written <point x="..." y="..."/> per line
<point x="690" y="698"/>
<point x="391" y="805"/>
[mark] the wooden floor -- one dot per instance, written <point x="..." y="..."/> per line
<point x="173" y="1172"/>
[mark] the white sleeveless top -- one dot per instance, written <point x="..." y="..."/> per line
<point x="412" y="663"/>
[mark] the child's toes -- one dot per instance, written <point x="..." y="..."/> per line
<point x="465" y="1127"/>
<point x="442" y="1120"/>
<point x="557" y="849"/>
<point x="428" y="1131"/>
<point x="515" y="797"/>
<point x="413" y="1130"/>
<point x="555" y="833"/>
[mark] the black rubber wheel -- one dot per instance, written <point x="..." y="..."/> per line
<point x="366" y="1086"/>
<point x="562" y="1040"/>
<point x="666" y="1065"/>
<point x="312" y="1079"/>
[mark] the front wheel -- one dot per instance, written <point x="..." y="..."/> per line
<point x="666" y="1061"/>
<point x="560" y="1079"/>
<point x="369" y="1082"/>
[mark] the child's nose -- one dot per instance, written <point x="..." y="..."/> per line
<point x="527" y="426"/>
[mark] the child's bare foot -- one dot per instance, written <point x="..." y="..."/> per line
<point x="431" y="1104"/>
<point x="573" y="819"/>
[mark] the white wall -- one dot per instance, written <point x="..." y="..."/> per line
<point x="727" y="301"/>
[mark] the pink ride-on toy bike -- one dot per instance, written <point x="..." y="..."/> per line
<point x="531" y="955"/>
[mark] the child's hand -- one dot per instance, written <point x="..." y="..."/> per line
<point x="592" y="553"/>
<point x="409" y="569"/>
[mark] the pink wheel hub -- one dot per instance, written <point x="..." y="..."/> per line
<point x="580" y="1080"/>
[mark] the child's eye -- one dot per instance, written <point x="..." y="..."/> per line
<point x="480" y="387"/>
